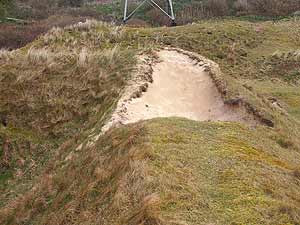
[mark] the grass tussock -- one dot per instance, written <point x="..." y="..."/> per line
<point x="83" y="58"/>
<point x="5" y="55"/>
<point x="91" y="34"/>
<point x="86" y="26"/>
<point x="38" y="56"/>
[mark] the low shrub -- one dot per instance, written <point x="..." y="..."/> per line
<point x="14" y="36"/>
<point x="5" y="7"/>
<point x="273" y="7"/>
<point x="218" y="8"/>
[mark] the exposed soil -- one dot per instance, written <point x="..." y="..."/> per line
<point x="182" y="89"/>
<point x="178" y="86"/>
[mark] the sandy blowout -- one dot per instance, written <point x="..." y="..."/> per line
<point x="178" y="86"/>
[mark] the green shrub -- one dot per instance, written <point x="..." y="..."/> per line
<point x="5" y="7"/>
<point x="72" y="3"/>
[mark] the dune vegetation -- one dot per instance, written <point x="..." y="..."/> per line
<point x="58" y="91"/>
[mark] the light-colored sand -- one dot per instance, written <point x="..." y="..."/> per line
<point x="180" y="88"/>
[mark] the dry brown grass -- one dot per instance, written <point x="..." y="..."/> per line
<point x="50" y="93"/>
<point x="41" y="64"/>
<point x="5" y="55"/>
<point x="297" y="173"/>
<point x="83" y="58"/>
<point x="38" y="56"/>
<point x="118" y="176"/>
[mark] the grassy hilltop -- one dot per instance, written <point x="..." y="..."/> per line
<point x="58" y="91"/>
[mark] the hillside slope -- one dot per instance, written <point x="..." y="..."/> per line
<point x="57" y="93"/>
<point x="168" y="171"/>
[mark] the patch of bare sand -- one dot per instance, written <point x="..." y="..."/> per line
<point x="178" y="86"/>
<point x="175" y="83"/>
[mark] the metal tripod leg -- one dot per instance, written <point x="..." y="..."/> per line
<point x="170" y="4"/>
<point x="125" y="18"/>
<point x="169" y="12"/>
<point x="125" y="11"/>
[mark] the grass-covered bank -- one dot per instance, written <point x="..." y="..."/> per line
<point x="50" y="96"/>
<point x="58" y="91"/>
<point x="168" y="171"/>
<point x="256" y="59"/>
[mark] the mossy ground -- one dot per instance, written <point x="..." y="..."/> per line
<point x="223" y="173"/>
<point x="161" y="171"/>
<point x="169" y="171"/>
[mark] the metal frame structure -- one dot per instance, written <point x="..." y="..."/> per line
<point x="169" y="12"/>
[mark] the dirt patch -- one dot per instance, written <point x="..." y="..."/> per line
<point x="174" y="84"/>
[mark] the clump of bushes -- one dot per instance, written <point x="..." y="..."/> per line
<point x="5" y="7"/>
<point x="14" y="36"/>
<point x="218" y="8"/>
<point x="41" y="9"/>
<point x="72" y="3"/>
<point x="273" y="7"/>
<point x="39" y="16"/>
<point x="73" y="11"/>
<point x="202" y="10"/>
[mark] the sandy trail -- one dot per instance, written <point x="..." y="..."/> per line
<point x="180" y="88"/>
